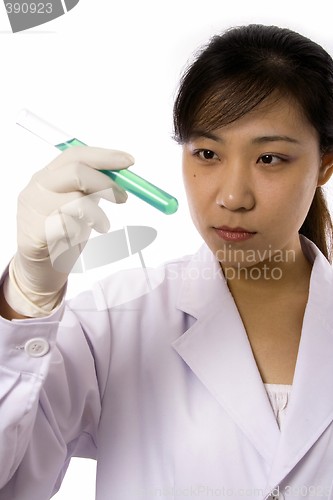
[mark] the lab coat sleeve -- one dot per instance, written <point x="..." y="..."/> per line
<point x="50" y="399"/>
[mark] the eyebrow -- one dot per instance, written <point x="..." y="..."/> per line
<point x="257" y="140"/>
<point x="274" y="138"/>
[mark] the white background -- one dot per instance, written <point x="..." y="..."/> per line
<point x="107" y="72"/>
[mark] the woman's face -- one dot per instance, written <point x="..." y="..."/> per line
<point x="250" y="183"/>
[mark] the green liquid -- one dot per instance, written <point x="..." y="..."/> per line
<point x="135" y="184"/>
<point x="69" y="144"/>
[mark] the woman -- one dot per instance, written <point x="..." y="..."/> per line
<point x="216" y="380"/>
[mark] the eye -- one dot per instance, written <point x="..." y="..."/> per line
<point x="270" y="159"/>
<point x="205" y="154"/>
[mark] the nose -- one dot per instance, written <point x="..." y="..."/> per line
<point x="235" y="189"/>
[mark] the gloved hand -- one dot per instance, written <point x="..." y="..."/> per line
<point x="57" y="211"/>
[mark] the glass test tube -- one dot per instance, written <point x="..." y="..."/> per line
<point x="125" y="178"/>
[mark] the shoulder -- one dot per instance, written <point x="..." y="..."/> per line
<point x="138" y="286"/>
<point x="145" y="283"/>
<point x="140" y="283"/>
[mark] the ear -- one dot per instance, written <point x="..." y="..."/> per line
<point x="326" y="168"/>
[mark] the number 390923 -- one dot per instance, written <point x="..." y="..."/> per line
<point x="28" y="8"/>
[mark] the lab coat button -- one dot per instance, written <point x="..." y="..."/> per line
<point x="37" y="347"/>
<point x="275" y="496"/>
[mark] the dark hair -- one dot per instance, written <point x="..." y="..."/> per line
<point x="241" y="68"/>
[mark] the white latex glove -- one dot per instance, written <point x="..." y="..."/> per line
<point x="57" y="211"/>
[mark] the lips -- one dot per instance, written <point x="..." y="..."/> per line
<point x="234" y="233"/>
<point x="235" y="229"/>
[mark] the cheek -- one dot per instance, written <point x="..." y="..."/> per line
<point x="290" y="203"/>
<point x="190" y="189"/>
<point x="192" y="183"/>
<point x="187" y="175"/>
<point x="304" y="191"/>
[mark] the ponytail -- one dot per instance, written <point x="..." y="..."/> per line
<point x="318" y="226"/>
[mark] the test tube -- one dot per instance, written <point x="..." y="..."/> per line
<point x="125" y="178"/>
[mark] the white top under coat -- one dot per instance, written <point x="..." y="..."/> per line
<point x="279" y="395"/>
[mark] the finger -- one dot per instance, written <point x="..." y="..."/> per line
<point x="70" y="227"/>
<point x="66" y="238"/>
<point x="86" y="210"/>
<point x="62" y="232"/>
<point x="78" y="177"/>
<point x="97" y="158"/>
<point x="118" y="195"/>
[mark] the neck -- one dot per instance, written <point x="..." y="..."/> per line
<point x="283" y="270"/>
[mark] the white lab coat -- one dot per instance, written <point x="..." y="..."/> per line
<point x="158" y="382"/>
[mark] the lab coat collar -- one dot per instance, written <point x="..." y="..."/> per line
<point x="217" y="350"/>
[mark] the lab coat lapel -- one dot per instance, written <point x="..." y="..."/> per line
<point x="217" y="350"/>
<point x="310" y="409"/>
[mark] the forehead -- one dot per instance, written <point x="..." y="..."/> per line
<point x="274" y="116"/>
